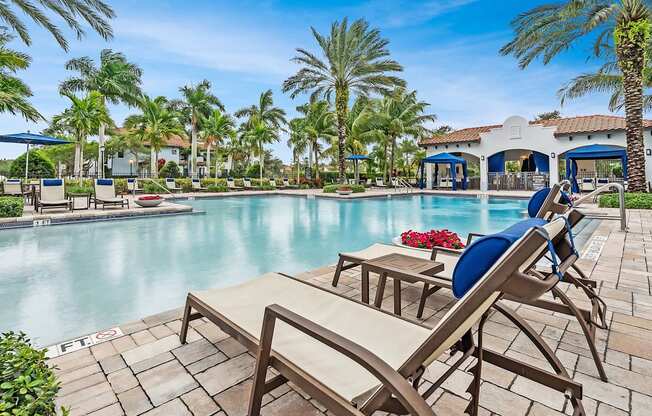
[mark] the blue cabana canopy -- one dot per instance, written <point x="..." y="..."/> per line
<point x="593" y="152"/>
<point x="444" y="159"/>
<point x="356" y="159"/>
<point x="30" y="139"/>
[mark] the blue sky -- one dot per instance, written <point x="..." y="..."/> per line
<point x="449" y="49"/>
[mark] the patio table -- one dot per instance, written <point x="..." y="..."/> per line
<point x="84" y="196"/>
<point x="400" y="268"/>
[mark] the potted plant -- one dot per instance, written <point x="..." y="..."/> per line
<point x="344" y="190"/>
<point x="148" y="201"/>
<point x="430" y="239"/>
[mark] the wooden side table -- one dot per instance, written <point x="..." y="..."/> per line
<point x="400" y="268"/>
<point x="74" y="196"/>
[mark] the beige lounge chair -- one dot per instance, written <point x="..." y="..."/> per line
<point x="14" y="187"/>
<point x="196" y="185"/>
<point x="230" y="183"/>
<point x="133" y="186"/>
<point x="355" y="359"/>
<point x="287" y="184"/>
<point x="247" y="183"/>
<point x="52" y="195"/>
<point x="380" y="183"/>
<point x="171" y="185"/>
<point x="105" y="194"/>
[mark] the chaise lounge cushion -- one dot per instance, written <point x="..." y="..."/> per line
<point x="244" y="305"/>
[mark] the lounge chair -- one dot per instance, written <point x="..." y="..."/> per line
<point x="52" y="195"/>
<point x="247" y="183"/>
<point x="132" y="185"/>
<point x="380" y="183"/>
<point x="355" y="359"/>
<point x="171" y="185"/>
<point x="602" y="182"/>
<point x="287" y="184"/>
<point x="14" y="187"/>
<point x="230" y="183"/>
<point x="196" y="185"/>
<point x="105" y="194"/>
<point x="587" y="185"/>
<point x="275" y="184"/>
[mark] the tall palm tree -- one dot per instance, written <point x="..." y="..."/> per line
<point x="14" y="93"/>
<point x="607" y="79"/>
<point x="95" y="13"/>
<point x="80" y="120"/>
<point x="117" y="79"/>
<point x="259" y="134"/>
<point x="355" y="60"/>
<point x="215" y="128"/>
<point x="298" y="142"/>
<point x="547" y="30"/>
<point x="198" y="102"/>
<point x="155" y="125"/>
<point x="318" y="124"/>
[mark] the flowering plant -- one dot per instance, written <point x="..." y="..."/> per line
<point x="149" y="198"/>
<point x="432" y="238"/>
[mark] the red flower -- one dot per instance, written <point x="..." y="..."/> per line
<point x="149" y="198"/>
<point x="432" y="238"/>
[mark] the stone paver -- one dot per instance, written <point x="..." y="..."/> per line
<point x="149" y="372"/>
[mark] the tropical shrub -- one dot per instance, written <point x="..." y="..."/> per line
<point x="206" y="182"/>
<point x="432" y="238"/>
<point x="217" y="188"/>
<point x="632" y="201"/>
<point x="5" y="166"/>
<point x="253" y="171"/>
<point x="330" y="189"/>
<point x="150" y="187"/>
<point x="74" y="188"/>
<point x="27" y="385"/>
<point x="184" y="183"/>
<point x="39" y="166"/>
<point x="170" y="170"/>
<point x="11" y="206"/>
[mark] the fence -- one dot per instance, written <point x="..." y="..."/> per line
<point x="521" y="181"/>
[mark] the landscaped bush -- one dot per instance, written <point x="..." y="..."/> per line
<point x="184" y="183"/>
<point x="218" y="188"/>
<point x="330" y="189"/>
<point x="632" y="201"/>
<point x="39" y="166"/>
<point x="27" y="385"/>
<point x="150" y="187"/>
<point x="206" y="182"/>
<point x="170" y="170"/>
<point x="73" y="188"/>
<point x="11" y="206"/>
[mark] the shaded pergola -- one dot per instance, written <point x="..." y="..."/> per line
<point x="593" y="152"/>
<point x="444" y="159"/>
<point x="356" y="159"/>
<point x="30" y="139"/>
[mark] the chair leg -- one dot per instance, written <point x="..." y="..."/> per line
<point x="422" y="301"/>
<point x="185" y="323"/>
<point x="474" y="388"/>
<point x="338" y="271"/>
<point x="262" y="362"/>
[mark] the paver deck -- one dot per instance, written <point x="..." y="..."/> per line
<point x="147" y="371"/>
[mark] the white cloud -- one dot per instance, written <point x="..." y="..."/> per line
<point x="402" y="13"/>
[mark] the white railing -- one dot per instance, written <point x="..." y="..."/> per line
<point x="601" y="190"/>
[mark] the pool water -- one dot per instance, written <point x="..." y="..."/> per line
<point x="62" y="281"/>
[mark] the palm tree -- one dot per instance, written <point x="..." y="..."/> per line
<point x="82" y="119"/>
<point x="318" y="125"/>
<point x="116" y="79"/>
<point x="355" y="60"/>
<point x="547" y="30"/>
<point x="155" y="125"/>
<point x="95" y="13"/>
<point x="198" y="102"/>
<point x="215" y="128"/>
<point x="607" y="79"/>
<point x="259" y="134"/>
<point x="299" y="143"/>
<point x="262" y="114"/>
<point x="14" y="93"/>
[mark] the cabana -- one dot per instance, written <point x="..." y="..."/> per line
<point x="593" y="152"/>
<point x="444" y="159"/>
<point x="29" y="139"/>
<point x="356" y="159"/>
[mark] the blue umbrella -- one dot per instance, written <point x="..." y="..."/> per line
<point x="356" y="159"/>
<point x="29" y="139"/>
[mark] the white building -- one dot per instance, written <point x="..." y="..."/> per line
<point x="125" y="163"/>
<point x="528" y="144"/>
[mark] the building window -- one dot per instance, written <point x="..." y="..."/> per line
<point x="121" y="155"/>
<point x="608" y="135"/>
<point x="588" y="137"/>
<point x="173" y="151"/>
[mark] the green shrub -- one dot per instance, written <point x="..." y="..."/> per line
<point x="253" y="171"/>
<point x="39" y="166"/>
<point x="11" y="206"/>
<point x="27" y="385"/>
<point x="79" y="189"/>
<point x="217" y="188"/>
<point x="120" y="185"/>
<point x="5" y="167"/>
<point x="330" y="189"/>
<point x="185" y="184"/>
<point x="170" y="170"/>
<point x="632" y="201"/>
<point x="206" y="182"/>
<point x="153" y="187"/>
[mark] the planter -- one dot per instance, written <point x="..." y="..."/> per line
<point x="397" y="242"/>
<point x="148" y="203"/>
<point x="344" y="191"/>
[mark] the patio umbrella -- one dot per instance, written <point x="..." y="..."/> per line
<point x="29" y="139"/>
<point x="356" y="159"/>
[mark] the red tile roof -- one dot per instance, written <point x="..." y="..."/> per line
<point x="565" y="126"/>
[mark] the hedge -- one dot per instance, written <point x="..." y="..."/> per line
<point x="330" y="189"/>
<point x="632" y="201"/>
<point x="28" y="386"/>
<point x="40" y="166"/>
<point x="217" y="188"/>
<point x="11" y="206"/>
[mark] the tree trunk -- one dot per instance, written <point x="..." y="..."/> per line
<point x="298" y="168"/>
<point x="81" y="161"/>
<point x="391" y="161"/>
<point x="261" y="160"/>
<point x="153" y="163"/>
<point x="135" y="155"/>
<point x="341" y="108"/>
<point x="193" y="148"/>
<point x="316" y="162"/>
<point x="76" y="167"/>
<point x="385" y="176"/>
<point x="208" y="159"/>
<point x="631" y="61"/>
<point x="100" y="155"/>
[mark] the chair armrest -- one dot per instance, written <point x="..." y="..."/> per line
<point x="470" y="237"/>
<point x="390" y="378"/>
<point x="411" y="277"/>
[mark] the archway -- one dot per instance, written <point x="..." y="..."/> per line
<point x="588" y="167"/>
<point x="518" y="169"/>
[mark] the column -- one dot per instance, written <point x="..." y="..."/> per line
<point x="484" y="174"/>
<point x="428" y="175"/>
<point x="553" y="163"/>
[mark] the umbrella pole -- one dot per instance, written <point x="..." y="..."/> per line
<point x="26" y="161"/>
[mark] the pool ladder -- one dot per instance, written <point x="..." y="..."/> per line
<point x="610" y="187"/>
<point x="401" y="184"/>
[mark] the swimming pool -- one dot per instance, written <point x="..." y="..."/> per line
<point x="64" y="281"/>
